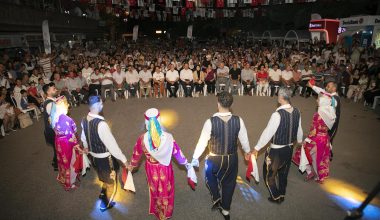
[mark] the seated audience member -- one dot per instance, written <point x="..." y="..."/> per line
<point x="33" y="95"/>
<point x="61" y="86"/>
<point x="107" y="84"/>
<point x="262" y="81"/>
<point x="95" y="86"/>
<point x="274" y="79"/>
<point x="132" y="80"/>
<point x="159" y="82"/>
<point x="354" y="84"/>
<point x="17" y="91"/>
<point x="25" y="104"/>
<point x="372" y="91"/>
<point x="210" y="79"/>
<point x="35" y="76"/>
<point x="172" y="78"/>
<point x="318" y="75"/>
<point x="199" y="79"/>
<point x="235" y="74"/>
<point x="297" y="75"/>
<point x="145" y="82"/>
<point x="306" y="75"/>
<point x="73" y="87"/>
<point x="84" y="89"/>
<point x="118" y="80"/>
<point x="287" y="77"/>
<point x="7" y="115"/>
<point x="186" y="76"/>
<point x="40" y="84"/>
<point x="222" y="77"/>
<point x="247" y="78"/>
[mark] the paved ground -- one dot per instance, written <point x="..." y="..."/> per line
<point x="28" y="189"/>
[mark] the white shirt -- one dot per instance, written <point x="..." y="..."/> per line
<point x="272" y="127"/>
<point x="159" y="76"/>
<point x="145" y="76"/>
<point x="225" y="70"/>
<point x="107" y="81"/>
<point x="186" y="74"/>
<point x="275" y="75"/>
<point x="172" y="75"/>
<point x="118" y="77"/>
<point x="106" y="137"/>
<point x="307" y="74"/>
<point x="286" y="75"/>
<point x="132" y="77"/>
<point x="206" y="135"/>
<point x="48" y="106"/>
<point x="94" y="76"/>
<point x="73" y="84"/>
<point x="86" y="73"/>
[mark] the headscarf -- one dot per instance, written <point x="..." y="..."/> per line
<point x="326" y="109"/>
<point x="158" y="142"/>
<point x="153" y="126"/>
<point x="59" y="108"/>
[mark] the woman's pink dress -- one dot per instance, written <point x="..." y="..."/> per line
<point x="69" y="160"/>
<point x="160" y="179"/>
<point x="318" y="150"/>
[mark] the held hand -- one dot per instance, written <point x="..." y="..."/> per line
<point x="247" y="156"/>
<point x="85" y="150"/>
<point x="195" y="162"/>
<point x="255" y="153"/>
<point x="130" y="168"/>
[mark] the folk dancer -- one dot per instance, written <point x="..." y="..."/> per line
<point x="159" y="147"/>
<point x="69" y="154"/>
<point x="283" y="129"/>
<point x="221" y="133"/>
<point x="50" y="92"/>
<point x="99" y="142"/>
<point x="317" y="144"/>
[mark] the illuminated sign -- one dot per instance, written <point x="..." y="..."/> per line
<point x="311" y="25"/>
<point x="317" y="25"/>
<point x="341" y="30"/>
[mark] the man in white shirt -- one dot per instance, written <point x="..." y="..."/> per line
<point x="172" y="78"/>
<point x="221" y="133"/>
<point x="222" y="77"/>
<point x="159" y="82"/>
<point x="95" y="82"/>
<point x="187" y="78"/>
<point x="107" y="84"/>
<point x="247" y="78"/>
<point x="99" y="142"/>
<point x="118" y="80"/>
<point x="274" y="79"/>
<point x="287" y="77"/>
<point x="74" y="86"/>
<point x="306" y="75"/>
<point x="283" y="129"/>
<point x="132" y="79"/>
<point x="145" y="82"/>
<point x="87" y="71"/>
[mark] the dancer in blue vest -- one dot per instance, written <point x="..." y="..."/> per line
<point x="99" y="142"/>
<point x="221" y="133"/>
<point x="283" y="130"/>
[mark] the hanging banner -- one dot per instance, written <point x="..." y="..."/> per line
<point x="135" y="33"/>
<point x="152" y="8"/>
<point x="169" y="3"/>
<point x="140" y="3"/>
<point x="219" y="3"/>
<point x="190" y="32"/>
<point x="46" y="36"/>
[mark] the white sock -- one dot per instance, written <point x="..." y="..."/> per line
<point x="224" y="212"/>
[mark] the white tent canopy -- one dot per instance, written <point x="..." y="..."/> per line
<point x="298" y="35"/>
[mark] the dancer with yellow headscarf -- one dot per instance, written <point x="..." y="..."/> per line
<point x="159" y="147"/>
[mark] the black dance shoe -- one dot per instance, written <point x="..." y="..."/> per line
<point x="216" y="206"/>
<point x="275" y="201"/>
<point x="104" y="206"/>
<point x="353" y="214"/>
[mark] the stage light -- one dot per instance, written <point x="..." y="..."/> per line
<point x="158" y="32"/>
<point x="247" y="191"/>
<point x="169" y="118"/>
<point x="348" y="196"/>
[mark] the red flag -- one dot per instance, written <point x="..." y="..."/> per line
<point x="189" y="4"/>
<point x="249" y="170"/>
<point x="124" y="174"/>
<point x="219" y="3"/>
<point x="132" y="2"/>
<point x="191" y="184"/>
<point x="255" y="3"/>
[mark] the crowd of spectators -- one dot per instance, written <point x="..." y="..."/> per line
<point x="164" y="68"/>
